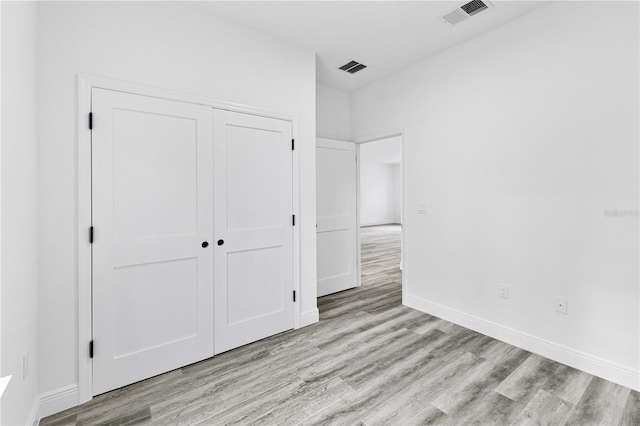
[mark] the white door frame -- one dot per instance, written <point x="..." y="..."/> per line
<point x="403" y="213"/>
<point x="83" y="202"/>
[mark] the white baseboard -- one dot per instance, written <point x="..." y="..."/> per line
<point x="34" y="413"/>
<point x="57" y="400"/>
<point x="574" y="358"/>
<point x="309" y="317"/>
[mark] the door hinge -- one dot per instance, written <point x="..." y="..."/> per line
<point x="293" y="144"/>
<point x="91" y="235"/>
<point x="293" y="220"/>
<point x="294" y="295"/>
<point x="90" y="121"/>
<point x="91" y="349"/>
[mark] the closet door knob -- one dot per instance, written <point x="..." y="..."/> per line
<point x="205" y="244"/>
<point x="220" y="242"/>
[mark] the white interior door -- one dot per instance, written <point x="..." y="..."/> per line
<point x="337" y="243"/>
<point x="254" y="228"/>
<point x="152" y="212"/>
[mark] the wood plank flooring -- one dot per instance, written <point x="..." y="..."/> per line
<point x="368" y="361"/>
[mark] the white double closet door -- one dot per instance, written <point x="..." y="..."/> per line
<point x="193" y="234"/>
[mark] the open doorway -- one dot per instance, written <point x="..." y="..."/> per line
<point x="359" y="269"/>
<point x="379" y="189"/>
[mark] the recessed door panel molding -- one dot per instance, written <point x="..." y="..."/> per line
<point x="255" y="166"/>
<point x="257" y="287"/>
<point x="335" y="260"/>
<point x="254" y="228"/>
<point x="173" y="287"/>
<point x="146" y="155"/>
<point x="336" y="216"/>
<point x="152" y="208"/>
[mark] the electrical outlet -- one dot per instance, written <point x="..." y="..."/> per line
<point x="422" y="208"/>
<point x="503" y="291"/>
<point x="561" y="305"/>
<point x="25" y="366"/>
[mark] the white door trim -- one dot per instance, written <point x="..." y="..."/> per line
<point x="84" y="84"/>
<point x="402" y="133"/>
<point x="358" y="208"/>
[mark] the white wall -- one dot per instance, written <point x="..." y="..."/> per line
<point x="333" y="113"/>
<point x="167" y="45"/>
<point x="19" y="238"/>
<point x="518" y="141"/>
<point x="397" y="193"/>
<point x="388" y="150"/>
<point x="379" y="193"/>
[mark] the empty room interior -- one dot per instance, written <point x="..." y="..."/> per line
<point x="310" y="212"/>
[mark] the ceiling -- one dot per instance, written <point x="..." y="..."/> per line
<point x="386" y="151"/>
<point x="384" y="35"/>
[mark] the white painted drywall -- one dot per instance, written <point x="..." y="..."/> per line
<point x="333" y="113"/>
<point x="167" y="45"/>
<point x="387" y="151"/>
<point x="397" y="193"/>
<point x="19" y="220"/>
<point x="519" y="141"/>
<point x="379" y="191"/>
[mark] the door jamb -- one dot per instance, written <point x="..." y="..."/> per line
<point x="84" y="84"/>
<point x="402" y="133"/>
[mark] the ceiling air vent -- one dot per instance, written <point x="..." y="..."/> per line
<point x="352" y="67"/>
<point x="466" y="11"/>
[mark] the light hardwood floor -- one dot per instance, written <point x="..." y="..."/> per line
<point x="369" y="361"/>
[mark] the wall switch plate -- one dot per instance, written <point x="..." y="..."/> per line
<point x="561" y="305"/>
<point x="503" y="291"/>
<point x="422" y="208"/>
